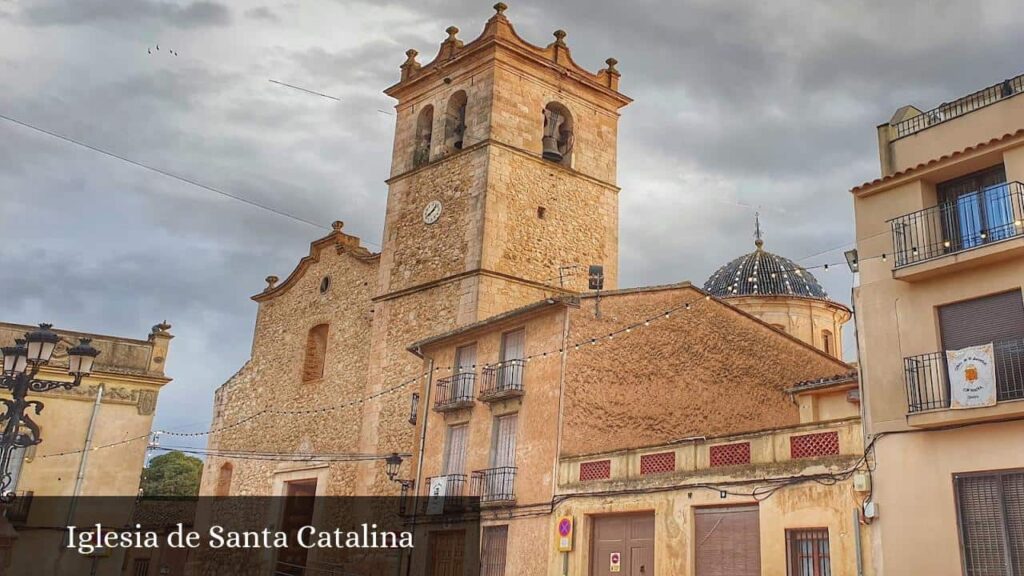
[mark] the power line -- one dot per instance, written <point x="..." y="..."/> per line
<point x="315" y="93"/>
<point x="163" y="172"/>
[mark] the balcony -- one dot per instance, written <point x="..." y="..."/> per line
<point x="495" y="486"/>
<point x="969" y="224"/>
<point x="503" y="381"/>
<point x="927" y="384"/>
<point x="446" y="493"/>
<point x="959" y="107"/>
<point x="455" y="392"/>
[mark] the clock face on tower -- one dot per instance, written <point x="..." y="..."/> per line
<point x="431" y="212"/>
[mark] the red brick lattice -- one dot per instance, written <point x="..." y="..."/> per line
<point x="596" y="470"/>
<point x="814" y="445"/>
<point x="730" y="454"/>
<point x="658" y="463"/>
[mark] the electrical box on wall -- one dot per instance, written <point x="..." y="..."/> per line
<point x="870" y="510"/>
<point x="862" y="482"/>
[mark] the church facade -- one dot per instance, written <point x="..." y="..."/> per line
<point x="474" y="346"/>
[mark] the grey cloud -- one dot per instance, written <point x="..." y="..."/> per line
<point x="262" y="13"/>
<point x="81" y="12"/>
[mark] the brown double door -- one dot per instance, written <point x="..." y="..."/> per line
<point x="623" y="545"/>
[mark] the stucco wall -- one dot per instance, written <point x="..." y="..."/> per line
<point x="707" y="371"/>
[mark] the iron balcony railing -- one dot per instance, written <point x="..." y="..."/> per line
<point x="959" y="107"/>
<point x="455" y="391"/>
<point x="495" y="484"/>
<point x="502" y="380"/>
<point x="971" y="221"/>
<point x="927" y="376"/>
<point x="455" y="496"/>
<point x="454" y="485"/>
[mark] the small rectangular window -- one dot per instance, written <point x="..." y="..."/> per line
<point x="807" y="552"/>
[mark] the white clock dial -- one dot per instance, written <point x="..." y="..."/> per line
<point x="431" y="212"/>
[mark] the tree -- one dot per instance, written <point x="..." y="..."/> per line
<point x="172" y="474"/>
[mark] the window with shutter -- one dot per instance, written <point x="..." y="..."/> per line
<point x="495" y="546"/>
<point x="727" y="541"/>
<point x="996" y="319"/>
<point x="991" y="507"/>
<point x="455" y="452"/>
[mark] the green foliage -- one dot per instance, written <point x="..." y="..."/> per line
<point x="172" y="474"/>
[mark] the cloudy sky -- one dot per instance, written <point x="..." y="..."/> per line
<point x="737" y="105"/>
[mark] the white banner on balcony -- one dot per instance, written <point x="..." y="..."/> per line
<point x="972" y="377"/>
<point x="438" y="491"/>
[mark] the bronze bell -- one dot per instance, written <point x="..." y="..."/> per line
<point x="552" y="124"/>
<point x="551" y="151"/>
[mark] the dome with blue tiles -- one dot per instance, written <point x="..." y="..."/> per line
<point x="761" y="273"/>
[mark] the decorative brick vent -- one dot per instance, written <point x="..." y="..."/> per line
<point x="658" y="463"/>
<point x="814" y="445"/>
<point x="730" y="454"/>
<point x="596" y="470"/>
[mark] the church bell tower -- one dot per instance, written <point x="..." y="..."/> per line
<point x="502" y="190"/>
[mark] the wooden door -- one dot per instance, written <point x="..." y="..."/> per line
<point x="447" y="551"/>
<point x="728" y="541"/>
<point x="297" y="512"/>
<point x="623" y="545"/>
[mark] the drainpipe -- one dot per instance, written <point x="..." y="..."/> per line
<point x="422" y="449"/>
<point x="80" y="479"/>
<point x="856" y="542"/>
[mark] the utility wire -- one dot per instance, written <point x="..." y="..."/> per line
<point x="163" y="172"/>
<point x="313" y="92"/>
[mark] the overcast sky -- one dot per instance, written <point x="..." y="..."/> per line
<point x="737" y="105"/>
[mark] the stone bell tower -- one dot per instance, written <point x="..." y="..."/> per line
<point x="502" y="192"/>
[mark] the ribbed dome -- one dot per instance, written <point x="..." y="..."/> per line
<point x="763" y="273"/>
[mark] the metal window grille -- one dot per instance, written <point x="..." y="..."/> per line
<point x="596" y="470"/>
<point x="730" y="454"/>
<point x="991" y="516"/>
<point x="140" y="567"/>
<point x="807" y="552"/>
<point x="657" y="463"/>
<point x="495" y="548"/>
<point x="814" y="445"/>
<point x="503" y="380"/>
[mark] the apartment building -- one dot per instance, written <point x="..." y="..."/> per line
<point x="940" y="322"/>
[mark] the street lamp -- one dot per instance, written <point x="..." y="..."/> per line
<point x="21" y="364"/>
<point x="391" y="465"/>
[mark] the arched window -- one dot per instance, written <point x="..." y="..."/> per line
<point x="424" y="131"/>
<point x="316" y="353"/>
<point x="558" y="134"/>
<point x="223" y="486"/>
<point x="827" y="343"/>
<point x="455" y="122"/>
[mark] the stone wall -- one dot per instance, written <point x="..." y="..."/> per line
<point x="273" y="378"/>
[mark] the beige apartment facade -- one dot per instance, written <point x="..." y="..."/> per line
<point x="940" y="243"/>
<point x="642" y="407"/>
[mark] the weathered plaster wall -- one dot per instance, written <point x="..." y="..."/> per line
<point x="705" y="371"/>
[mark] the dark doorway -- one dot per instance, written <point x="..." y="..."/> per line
<point x="297" y="512"/>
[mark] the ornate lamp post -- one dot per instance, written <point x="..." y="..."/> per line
<point x="21" y="365"/>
